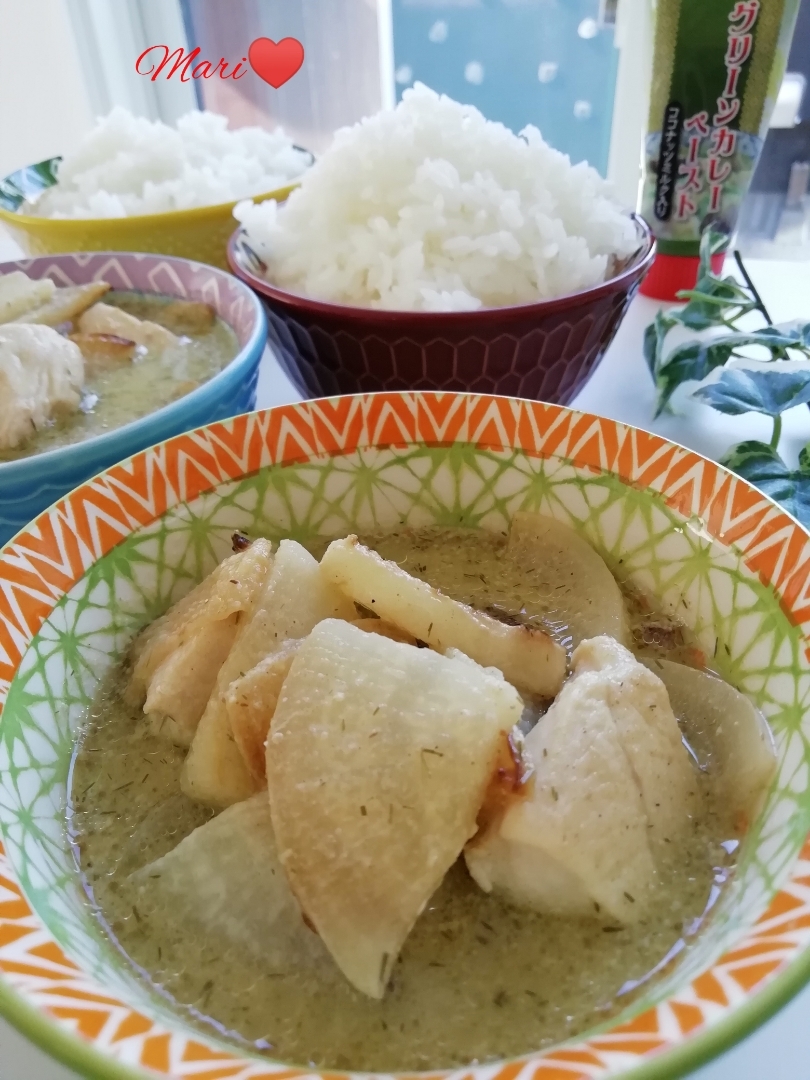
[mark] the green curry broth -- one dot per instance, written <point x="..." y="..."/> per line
<point x="477" y="979"/>
<point x="139" y="387"/>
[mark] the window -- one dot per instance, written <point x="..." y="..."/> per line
<point x="551" y="63"/>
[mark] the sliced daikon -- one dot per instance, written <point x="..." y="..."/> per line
<point x="566" y="578"/>
<point x="65" y="304"/>
<point x="295" y="598"/>
<point x="378" y="762"/>
<point x="226" y="879"/>
<point x="182" y="685"/>
<point x="20" y="293"/>
<point x="731" y="737"/>
<point x="107" y="319"/>
<point x="251" y="701"/>
<point x="231" y="587"/>
<point x="528" y="657"/>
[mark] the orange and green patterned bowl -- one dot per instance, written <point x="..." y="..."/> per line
<point x="79" y="581"/>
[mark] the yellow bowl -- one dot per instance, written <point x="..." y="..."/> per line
<point x="200" y="234"/>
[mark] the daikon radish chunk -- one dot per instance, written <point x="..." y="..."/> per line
<point x="251" y="701"/>
<point x="103" y="352"/>
<point x="20" y="293"/>
<point x="65" y="304"/>
<point x="226" y="880"/>
<point x="567" y="578"/>
<point x="731" y="737"/>
<point x="182" y="685"/>
<point x="378" y="762"/>
<point x="295" y="598"/>
<point x="528" y="657"/>
<point x="106" y="319"/>
<point x="230" y="587"/>
<point x="386" y="629"/>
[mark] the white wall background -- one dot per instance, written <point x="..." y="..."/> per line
<point x="43" y="101"/>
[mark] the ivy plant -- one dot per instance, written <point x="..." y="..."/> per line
<point x="718" y="304"/>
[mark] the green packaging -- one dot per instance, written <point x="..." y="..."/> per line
<point x="717" y="69"/>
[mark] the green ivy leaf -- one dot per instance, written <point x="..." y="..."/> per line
<point x="720" y="302"/>
<point x="705" y="310"/>
<point x="654" y="340"/>
<point x="27" y="183"/>
<point x="802" y="333"/>
<point x="713" y="296"/>
<point x="740" y="391"/>
<point x="760" y="464"/>
<point x="711" y="300"/>
<point x="712" y="242"/>
<point x="774" y="336"/>
<point x="690" y="362"/>
<point x="697" y="359"/>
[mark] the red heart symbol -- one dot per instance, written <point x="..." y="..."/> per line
<point x="276" y="61"/>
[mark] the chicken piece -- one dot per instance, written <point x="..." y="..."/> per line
<point x="20" y="293"/>
<point x="731" y="737"/>
<point x="65" y="304"/>
<point x="613" y="787"/>
<point x="41" y="377"/>
<point x="187" y="317"/>
<point x="528" y="657"/>
<point x="106" y="319"/>
<point x="649" y="733"/>
<point x="233" y="586"/>
<point x="567" y="578"/>
<point x="295" y="598"/>
<point x="183" y="683"/>
<point x="225" y="878"/>
<point x="103" y="352"/>
<point x="378" y="761"/>
<point x="250" y="702"/>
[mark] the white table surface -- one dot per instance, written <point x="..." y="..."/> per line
<point x="620" y="388"/>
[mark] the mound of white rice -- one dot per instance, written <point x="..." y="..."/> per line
<point x="129" y="165"/>
<point x="430" y="207"/>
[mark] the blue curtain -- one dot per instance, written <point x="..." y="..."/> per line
<point x="544" y="62"/>
<point x="541" y="62"/>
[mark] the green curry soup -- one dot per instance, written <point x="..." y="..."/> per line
<point x="129" y="391"/>
<point x="477" y="979"/>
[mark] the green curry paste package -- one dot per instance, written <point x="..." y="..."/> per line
<point x="717" y="68"/>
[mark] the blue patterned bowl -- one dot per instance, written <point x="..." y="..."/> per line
<point x="30" y="485"/>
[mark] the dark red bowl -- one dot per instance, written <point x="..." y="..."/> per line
<point x="546" y="351"/>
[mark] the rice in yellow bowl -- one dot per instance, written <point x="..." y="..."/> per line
<point x="136" y="185"/>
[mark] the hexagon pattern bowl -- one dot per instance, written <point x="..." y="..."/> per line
<point x="87" y="574"/>
<point x="545" y="351"/>
<point x="28" y="485"/>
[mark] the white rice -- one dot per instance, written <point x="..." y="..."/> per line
<point x="430" y="207"/>
<point x="128" y="165"/>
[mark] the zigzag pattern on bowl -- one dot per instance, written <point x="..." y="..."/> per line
<point x="26" y="488"/>
<point x="149" y="273"/>
<point x="22" y="501"/>
<point x="80" y="580"/>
